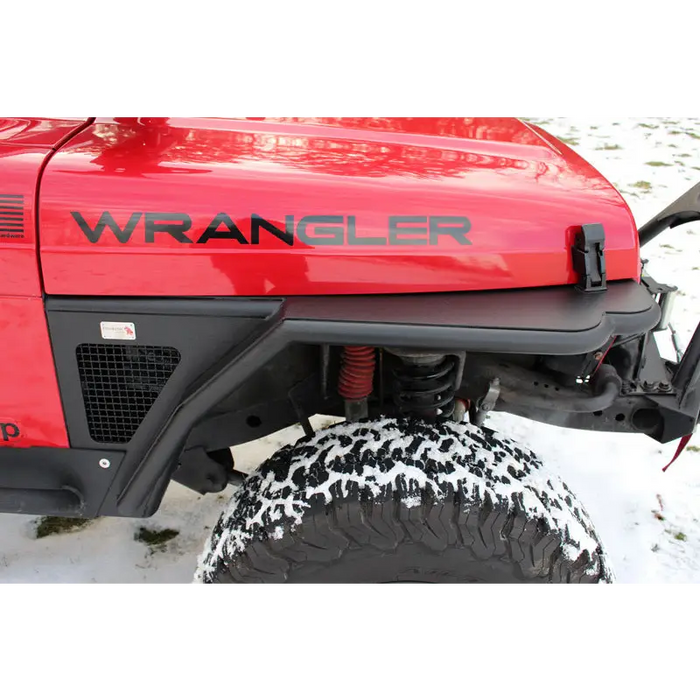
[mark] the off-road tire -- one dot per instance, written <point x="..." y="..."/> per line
<point x="402" y="500"/>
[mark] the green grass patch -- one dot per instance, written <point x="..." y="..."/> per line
<point x="155" y="539"/>
<point x="658" y="164"/>
<point x="680" y="536"/>
<point x="642" y="185"/>
<point x="570" y="141"/>
<point x="648" y="126"/>
<point x="609" y="147"/>
<point x="693" y="448"/>
<point x="53" y="525"/>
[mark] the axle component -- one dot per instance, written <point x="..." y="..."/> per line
<point x="606" y="386"/>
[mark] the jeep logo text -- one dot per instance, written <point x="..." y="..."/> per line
<point x="9" y="431"/>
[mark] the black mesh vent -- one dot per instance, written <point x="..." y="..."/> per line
<point x="120" y="383"/>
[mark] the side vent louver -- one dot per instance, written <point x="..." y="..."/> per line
<point x="11" y="216"/>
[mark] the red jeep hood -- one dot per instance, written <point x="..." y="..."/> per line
<point x="400" y="182"/>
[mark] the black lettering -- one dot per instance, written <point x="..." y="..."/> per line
<point x="257" y="222"/>
<point x="354" y="240"/>
<point x="456" y="226"/>
<point x="212" y="231"/>
<point x="395" y="231"/>
<point x="323" y="235"/>
<point x="9" y="430"/>
<point x="107" y="220"/>
<point x="154" y="224"/>
<point x="325" y="230"/>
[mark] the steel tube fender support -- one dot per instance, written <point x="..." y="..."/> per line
<point x="397" y="321"/>
<point x="607" y="385"/>
<point x="172" y="436"/>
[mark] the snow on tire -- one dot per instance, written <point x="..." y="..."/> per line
<point x="403" y="500"/>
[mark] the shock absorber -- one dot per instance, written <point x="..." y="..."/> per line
<point x="356" y="379"/>
<point x="424" y="386"/>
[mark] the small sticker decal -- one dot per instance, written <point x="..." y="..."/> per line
<point x="117" y="330"/>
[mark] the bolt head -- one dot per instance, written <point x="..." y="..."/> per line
<point x="105" y="463"/>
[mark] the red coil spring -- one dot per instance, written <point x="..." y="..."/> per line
<point x="356" y="373"/>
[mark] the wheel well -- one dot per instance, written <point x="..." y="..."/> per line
<point x="250" y="367"/>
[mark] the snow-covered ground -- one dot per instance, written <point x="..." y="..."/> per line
<point x="648" y="520"/>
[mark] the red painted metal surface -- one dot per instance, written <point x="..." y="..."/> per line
<point x="19" y="268"/>
<point x="24" y="146"/>
<point x="38" y="132"/>
<point x="30" y="403"/>
<point x="29" y="395"/>
<point x="522" y="191"/>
